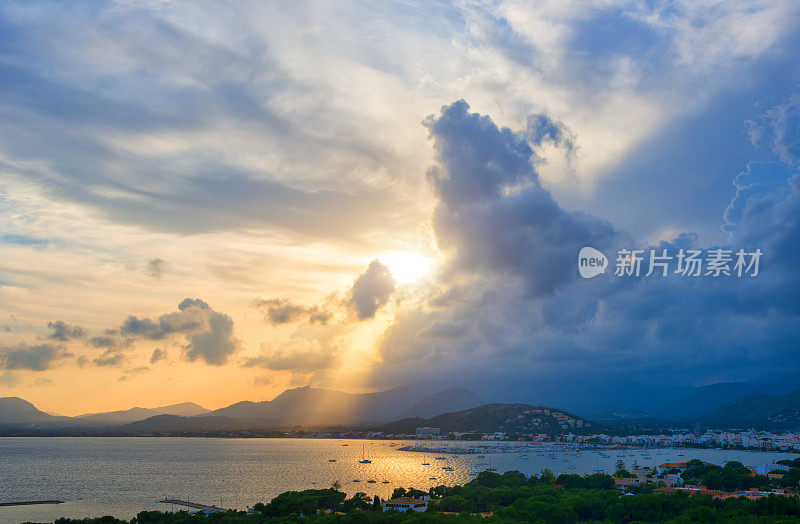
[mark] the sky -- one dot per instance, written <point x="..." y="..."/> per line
<point x="215" y="202"/>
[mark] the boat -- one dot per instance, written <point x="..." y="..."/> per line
<point x="370" y="482"/>
<point x="431" y="478"/>
<point x="447" y="468"/>
<point x="426" y="463"/>
<point x="356" y="480"/>
<point x="385" y="482"/>
<point x="441" y="458"/>
<point x="345" y="444"/>
<point x="364" y="459"/>
<point x="490" y="468"/>
<point x="331" y="460"/>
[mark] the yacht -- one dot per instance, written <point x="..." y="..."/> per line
<point x="364" y="459"/>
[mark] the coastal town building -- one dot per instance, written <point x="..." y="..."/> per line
<point x="427" y="432"/>
<point x="405" y="504"/>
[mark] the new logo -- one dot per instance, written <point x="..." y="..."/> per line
<point x="591" y="262"/>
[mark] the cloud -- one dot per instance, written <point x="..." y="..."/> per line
<point x="109" y="358"/>
<point x="300" y="356"/>
<point x="781" y="124"/>
<point x="158" y="355"/>
<point x="155" y="268"/>
<point x="64" y="332"/>
<point x="262" y="380"/>
<point x="493" y="213"/>
<point x="284" y="311"/>
<point x="509" y="300"/>
<point x="132" y="373"/>
<point x="9" y="379"/>
<point x="215" y="343"/>
<point x="209" y="334"/>
<point x="541" y="129"/>
<point x="31" y="357"/>
<point x="371" y="290"/>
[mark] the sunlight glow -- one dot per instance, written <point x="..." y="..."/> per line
<point x="407" y="266"/>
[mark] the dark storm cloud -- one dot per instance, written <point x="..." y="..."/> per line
<point x="371" y="290"/>
<point x="511" y="300"/>
<point x="34" y="358"/>
<point x="284" y="311"/>
<point x="64" y="332"/>
<point x="493" y="214"/>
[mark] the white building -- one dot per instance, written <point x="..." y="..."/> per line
<point x="405" y="504"/>
<point x="427" y="432"/>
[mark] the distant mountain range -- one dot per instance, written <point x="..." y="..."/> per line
<point x="766" y="404"/>
<point x="759" y="411"/>
<point x="304" y="406"/>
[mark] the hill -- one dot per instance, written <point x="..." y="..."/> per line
<point x="178" y="424"/>
<point x="14" y="410"/>
<point x="490" y="418"/>
<point x="185" y="409"/>
<point x="758" y="411"/>
<point x="449" y="400"/>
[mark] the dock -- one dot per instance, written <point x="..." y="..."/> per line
<point x="31" y="502"/>
<point x="195" y="505"/>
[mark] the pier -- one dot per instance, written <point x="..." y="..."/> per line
<point x="31" y="502"/>
<point x="195" y="505"/>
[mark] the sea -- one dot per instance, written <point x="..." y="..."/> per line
<point x="97" y="476"/>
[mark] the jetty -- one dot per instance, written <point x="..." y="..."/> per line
<point x="195" y="505"/>
<point x="31" y="502"/>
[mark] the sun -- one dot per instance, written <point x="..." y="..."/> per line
<point x="407" y="266"/>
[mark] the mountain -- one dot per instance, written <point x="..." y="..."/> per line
<point x="447" y="401"/>
<point x="178" y="424"/>
<point x="700" y="400"/>
<point x="186" y="409"/>
<point x="323" y="407"/>
<point x="490" y="418"/>
<point x="759" y="411"/>
<point x="14" y="410"/>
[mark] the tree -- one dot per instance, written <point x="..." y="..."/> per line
<point x="376" y="503"/>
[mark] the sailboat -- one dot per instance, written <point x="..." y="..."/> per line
<point x="490" y="468"/>
<point x="364" y="459"/>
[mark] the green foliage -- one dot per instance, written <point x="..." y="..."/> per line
<point x="303" y="502"/>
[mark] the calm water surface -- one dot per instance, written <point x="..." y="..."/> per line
<point x="122" y="476"/>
